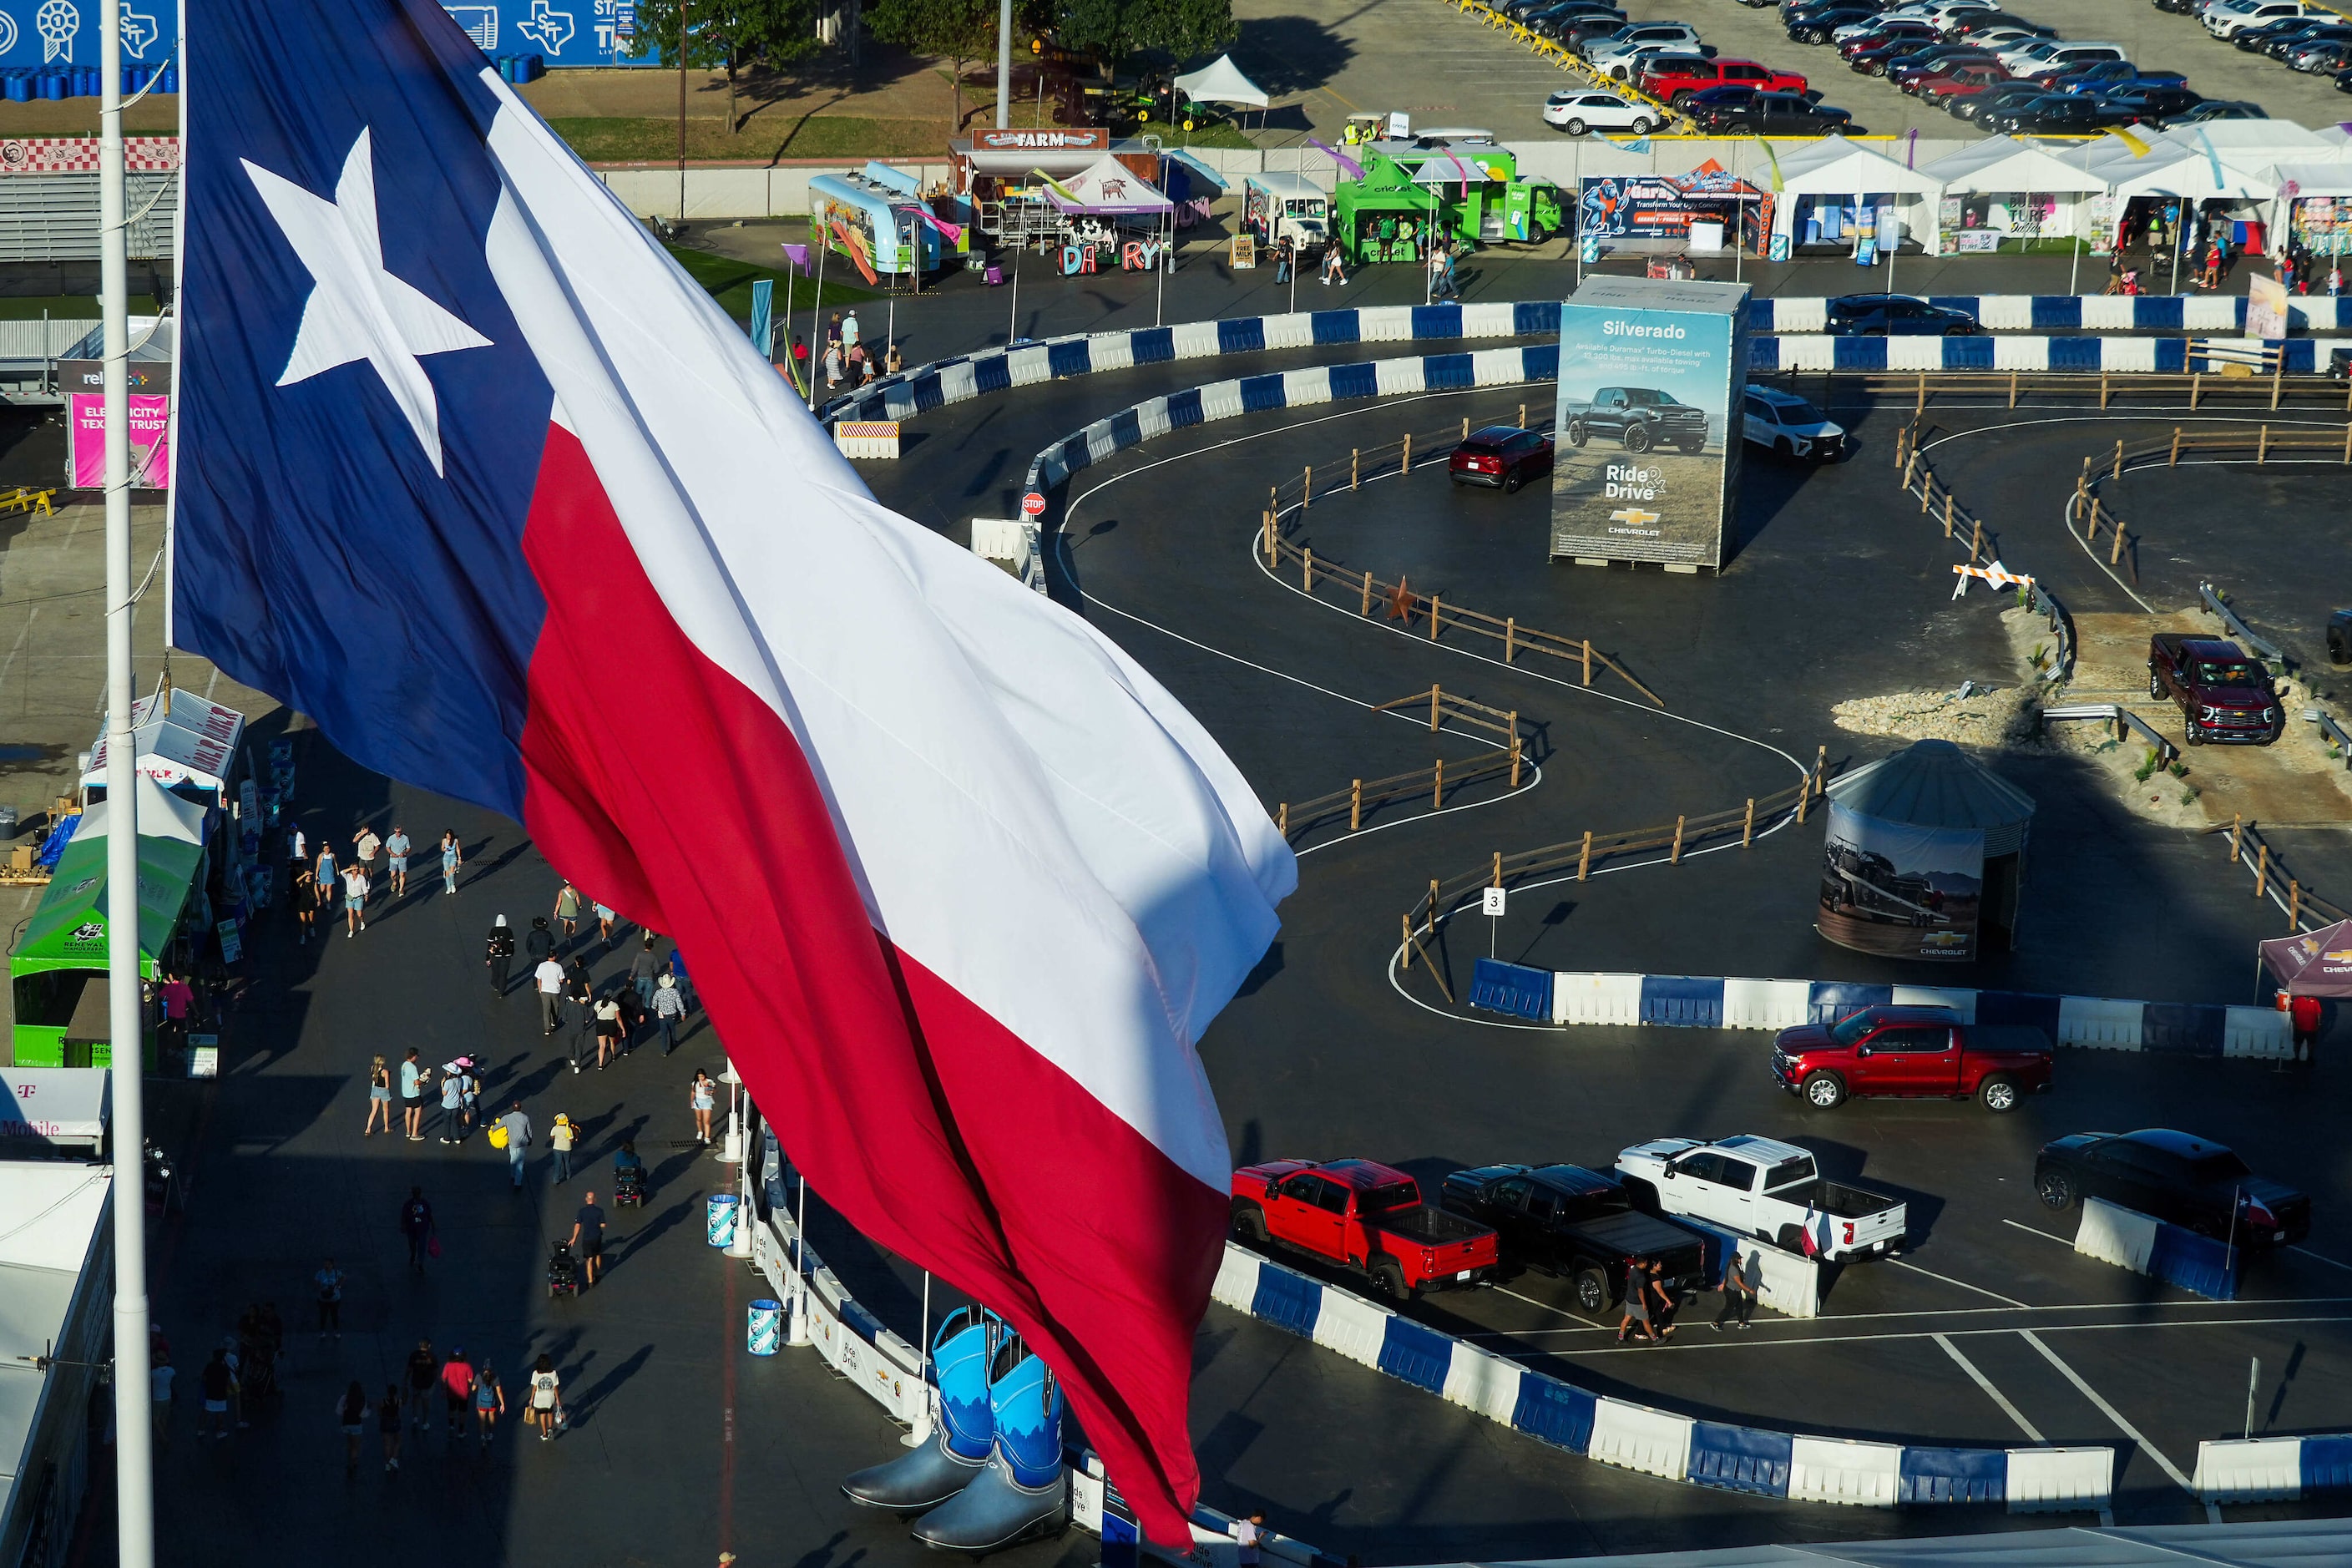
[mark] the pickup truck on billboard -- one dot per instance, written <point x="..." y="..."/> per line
<point x="1919" y="1053"/>
<point x="1759" y="1187"/>
<point x="1642" y="418"/>
<point x="1365" y="1216"/>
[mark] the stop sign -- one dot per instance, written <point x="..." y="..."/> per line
<point x="1032" y="505"/>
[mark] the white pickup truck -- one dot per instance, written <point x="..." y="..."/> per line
<point x="1756" y="1186"/>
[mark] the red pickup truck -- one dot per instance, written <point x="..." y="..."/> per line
<point x="1367" y="1217"/>
<point x="1919" y="1053"/>
<point x="2224" y="697"/>
<point x="1676" y="78"/>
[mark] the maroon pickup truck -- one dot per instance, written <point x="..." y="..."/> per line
<point x="2224" y="697"/>
<point x="1920" y="1053"/>
<point x="1366" y="1216"/>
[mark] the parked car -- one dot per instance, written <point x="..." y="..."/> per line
<point x="1976" y="106"/>
<point x="1815" y="26"/>
<point x="1961" y="81"/>
<point x="2157" y="106"/>
<point x="1874" y="59"/>
<point x="1788" y="427"/>
<point x="1995" y="27"/>
<point x="1853" y="39"/>
<point x="2228" y="18"/>
<point x="1642" y="418"/>
<point x="2066" y="58"/>
<point x="1361" y="1216"/>
<point x="2287" y="49"/>
<point x="2112" y="76"/>
<point x="1912" y="1053"/>
<point x="1623" y="41"/>
<point x="2054" y="114"/>
<point x="1758" y="1186"/>
<point x="1579" y="110"/>
<point x="1773" y="114"/>
<point x="2279" y="39"/>
<point x="1502" y="455"/>
<point x="1912" y="69"/>
<point x="1676" y="82"/>
<point x="2223" y="696"/>
<point x="1895" y="315"/>
<point x="2180" y="1179"/>
<point x="1577" y="1223"/>
<point x="2327" y="57"/>
<point x="2221" y="109"/>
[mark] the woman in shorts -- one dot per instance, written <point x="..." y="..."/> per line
<point x="350" y="1414"/>
<point x="453" y="856"/>
<point x="387" y="1424"/>
<point x="490" y="1403"/>
<point x="705" y="1102"/>
<point x="546" y="1397"/>
<point x="379" y="1097"/>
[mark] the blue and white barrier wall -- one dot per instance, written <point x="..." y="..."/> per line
<point x="1288" y="389"/>
<point x="1658" y="1442"/>
<point x="2272" y="1469"/>
<point x="2304" y="356"/>
<point x="968" y="376"/>
<point x="1706" y="1002"/>
<point x="2145" y="1245"/>
<point x="2077" y="312"/>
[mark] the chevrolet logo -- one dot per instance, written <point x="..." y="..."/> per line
<point x="1635" y="516"/>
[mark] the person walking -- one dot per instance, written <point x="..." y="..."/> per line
<point x="330" y="1282"/>
<point x="366" y="846"/>
<point x="387" y="1425"/>
<point x="159" y="1389"/>
<point x="2305" y="1013"/>
<point x="416" y="1224"/>
<point x="1635" y="1323"/>
<point x="297" y="848"/>
<point x="644" y="966"/>
<point x="379" y="1097"/>
<point x="605" y="916"/>
<point x="1743" y="1280"/>
<point x="498" y="953"/>
<point x="669" y="1011"/>
<point x="703" y="1097"/>
<point x="608" y="1030"/>
<point x="306" y="902"/>
<point x="397" y="847"/>
<point x="1249" y="1537"/>
<point x="580" y="989"/>
<point x="567" y="912"/>
<point x="1282" y="259"/>
<point x="216" y="1381"/>
<point x="684" y="982"/>
<point x="452" y="860"/>
<point x="453" y="1104"/>
<point x="355" y="896"/>
<point x="423" y="1372"/>
<point x="546" y="1397"/>
<point x="518" y="1128"/>
<point x="587" y="1239"/>
<point x="323" y="872"/>
<point x="1334" y="265"/>
<point x="560" y="1137"/>
<point x="549" y="978"/>
<point x="350" y="1415"/>
<point x="851" y="337"/>
<point x="458" y="1392"/>
<point x="538" y="943"/>
<point x="1662" y="1305"/>
<point x="489" y="1403"/>
<point x="411" y="1096"/>
<point x="473" y="1092"/>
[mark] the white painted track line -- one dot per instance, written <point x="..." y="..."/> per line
<point x="1995" y="1394"/>
<point x="2110" y="1412"/>
<point x="2006" y="1300"/>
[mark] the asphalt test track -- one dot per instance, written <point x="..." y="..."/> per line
<point x="1990" y="1330"/>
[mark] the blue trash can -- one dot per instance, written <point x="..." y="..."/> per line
<point x="766" y="1329"/>
<point x="53" y="85"/>
<point x="719" y="1220"/>
<point x="18" y="87"/>
<point x="171" y="78"/>
<point x="533" y="67"/>
<point x="88" y="82"/>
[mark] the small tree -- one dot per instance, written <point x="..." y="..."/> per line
<point x="1111" y="30"/>
<point x="732" y="35"/>
<point x="960" y="30"/>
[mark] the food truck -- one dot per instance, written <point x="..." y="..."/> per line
<point x="876" y="218"/>
<point x="1411" y="195"/>
<point x="1294" y="204"/>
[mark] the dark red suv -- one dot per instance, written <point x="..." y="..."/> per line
<point x="1502" y="455"/>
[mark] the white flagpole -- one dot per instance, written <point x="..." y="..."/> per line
<point x="135" y="1478"/>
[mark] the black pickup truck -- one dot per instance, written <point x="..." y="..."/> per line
<point x="1566" y="1220"/>
<point x="1642" y="418"/>
<point x="2224" y="697"/>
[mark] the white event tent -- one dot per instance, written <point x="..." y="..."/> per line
<point x="2006" y="186"/>
<point x="1834" y="187"/>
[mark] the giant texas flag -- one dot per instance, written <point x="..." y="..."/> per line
<point x="471" y="472"/>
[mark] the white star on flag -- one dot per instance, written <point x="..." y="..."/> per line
<point x="357" y="311"/>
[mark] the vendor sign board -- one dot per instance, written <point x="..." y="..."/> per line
<point x="151" y="454"/>
<point x="1648" y="464"/>
<point x="1899" y="890"/>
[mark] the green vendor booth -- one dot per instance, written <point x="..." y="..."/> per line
<point x="57" y="969"/>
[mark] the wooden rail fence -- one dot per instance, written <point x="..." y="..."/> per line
<point x="2249" y="850"/>
<point x="2138" y="387"/>
<point x="1364" y="796"/>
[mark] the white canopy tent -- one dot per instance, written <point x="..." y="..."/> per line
<point x="42" y="1107"/>
<point x="2012" y="181"/>
<point x="189" y="741"/>
<point x="1109" y="188"/>
<point x="1831" y="180"/>
<point x="1221" y="82"/>
<point x="161" y="814"/>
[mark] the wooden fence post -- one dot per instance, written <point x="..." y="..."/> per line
<point x="1748" y="824"/>
<point x="2263" y="446"/>
<point x="1584" y="856"/>
<point x="1675" y="857"/>
<point x="2293" y="905"/>
<point x="1920" y="407"/>
<point x="1523" y="416"/>
<point x="1900" y="433"/>
<point x="1515" y="753"/>
<point x="2013" y="389"/>
<point x="1405" y="467"/>
<point x="1499" y="867"/>
<point x="2237" y="828"/>
<point x="1821" y="768"/>
<point x="1306" y="560"/>
<point x="1274" y="498"/>
<point x="1268" y="529"/>
<point x="1976" y="541"/>
<point x="2347" y="443"/>
<point x="1948" y="499"/>
<point x="1437" y="794"/>
<point x="1356" y="805"/>
<point x="2196" y="386"/>
<point x="2116" y="552"/>
<point x="1282" y="819"/>
<point x="2262" y="868"/>
<point x="1588" y="661"/>
<point x="1436" y="697"/>
<point x="1433" y="617"/>
<point x="2103" y="391"/>
<point x="1355" y="460"/>
<point x="1510" y="637"/>
<point x="1368" y="591"/>
<point x="2092" y="532"/>
<point x="2119" y="460"/>
<point x="2174" y="460"/>
<point x="1306" y="488"/>
<point x="1927" y="492"/>
<point x="1908" y="464"/>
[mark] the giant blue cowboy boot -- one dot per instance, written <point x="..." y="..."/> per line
<point x="927" y="1476"/>
<point x="1021" y="1493"/>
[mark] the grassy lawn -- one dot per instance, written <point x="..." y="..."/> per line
<point x="66" y="307"/>
<point x="846" y="137"/>
<point x="730" y="282"/>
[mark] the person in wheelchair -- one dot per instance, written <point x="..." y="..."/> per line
<point x="628" y="1177"/>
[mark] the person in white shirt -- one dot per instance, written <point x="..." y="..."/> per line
<point x="549" y="978"/>
<point x="1248" y="1533"/>
<point x="355" y="892"/>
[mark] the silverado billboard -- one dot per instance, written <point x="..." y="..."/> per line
<point x="1646" y="421"/>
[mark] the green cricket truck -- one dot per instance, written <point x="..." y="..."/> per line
<point x="1411" y="195"/>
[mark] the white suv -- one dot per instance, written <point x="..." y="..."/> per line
<point x="1577" y="111"/>
<point x="1634" y="35"/>
<point x="2228" y="18"/>
<point x="2068" y="56"/>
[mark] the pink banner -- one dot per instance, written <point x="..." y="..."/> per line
<point x="150" y="415"/>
